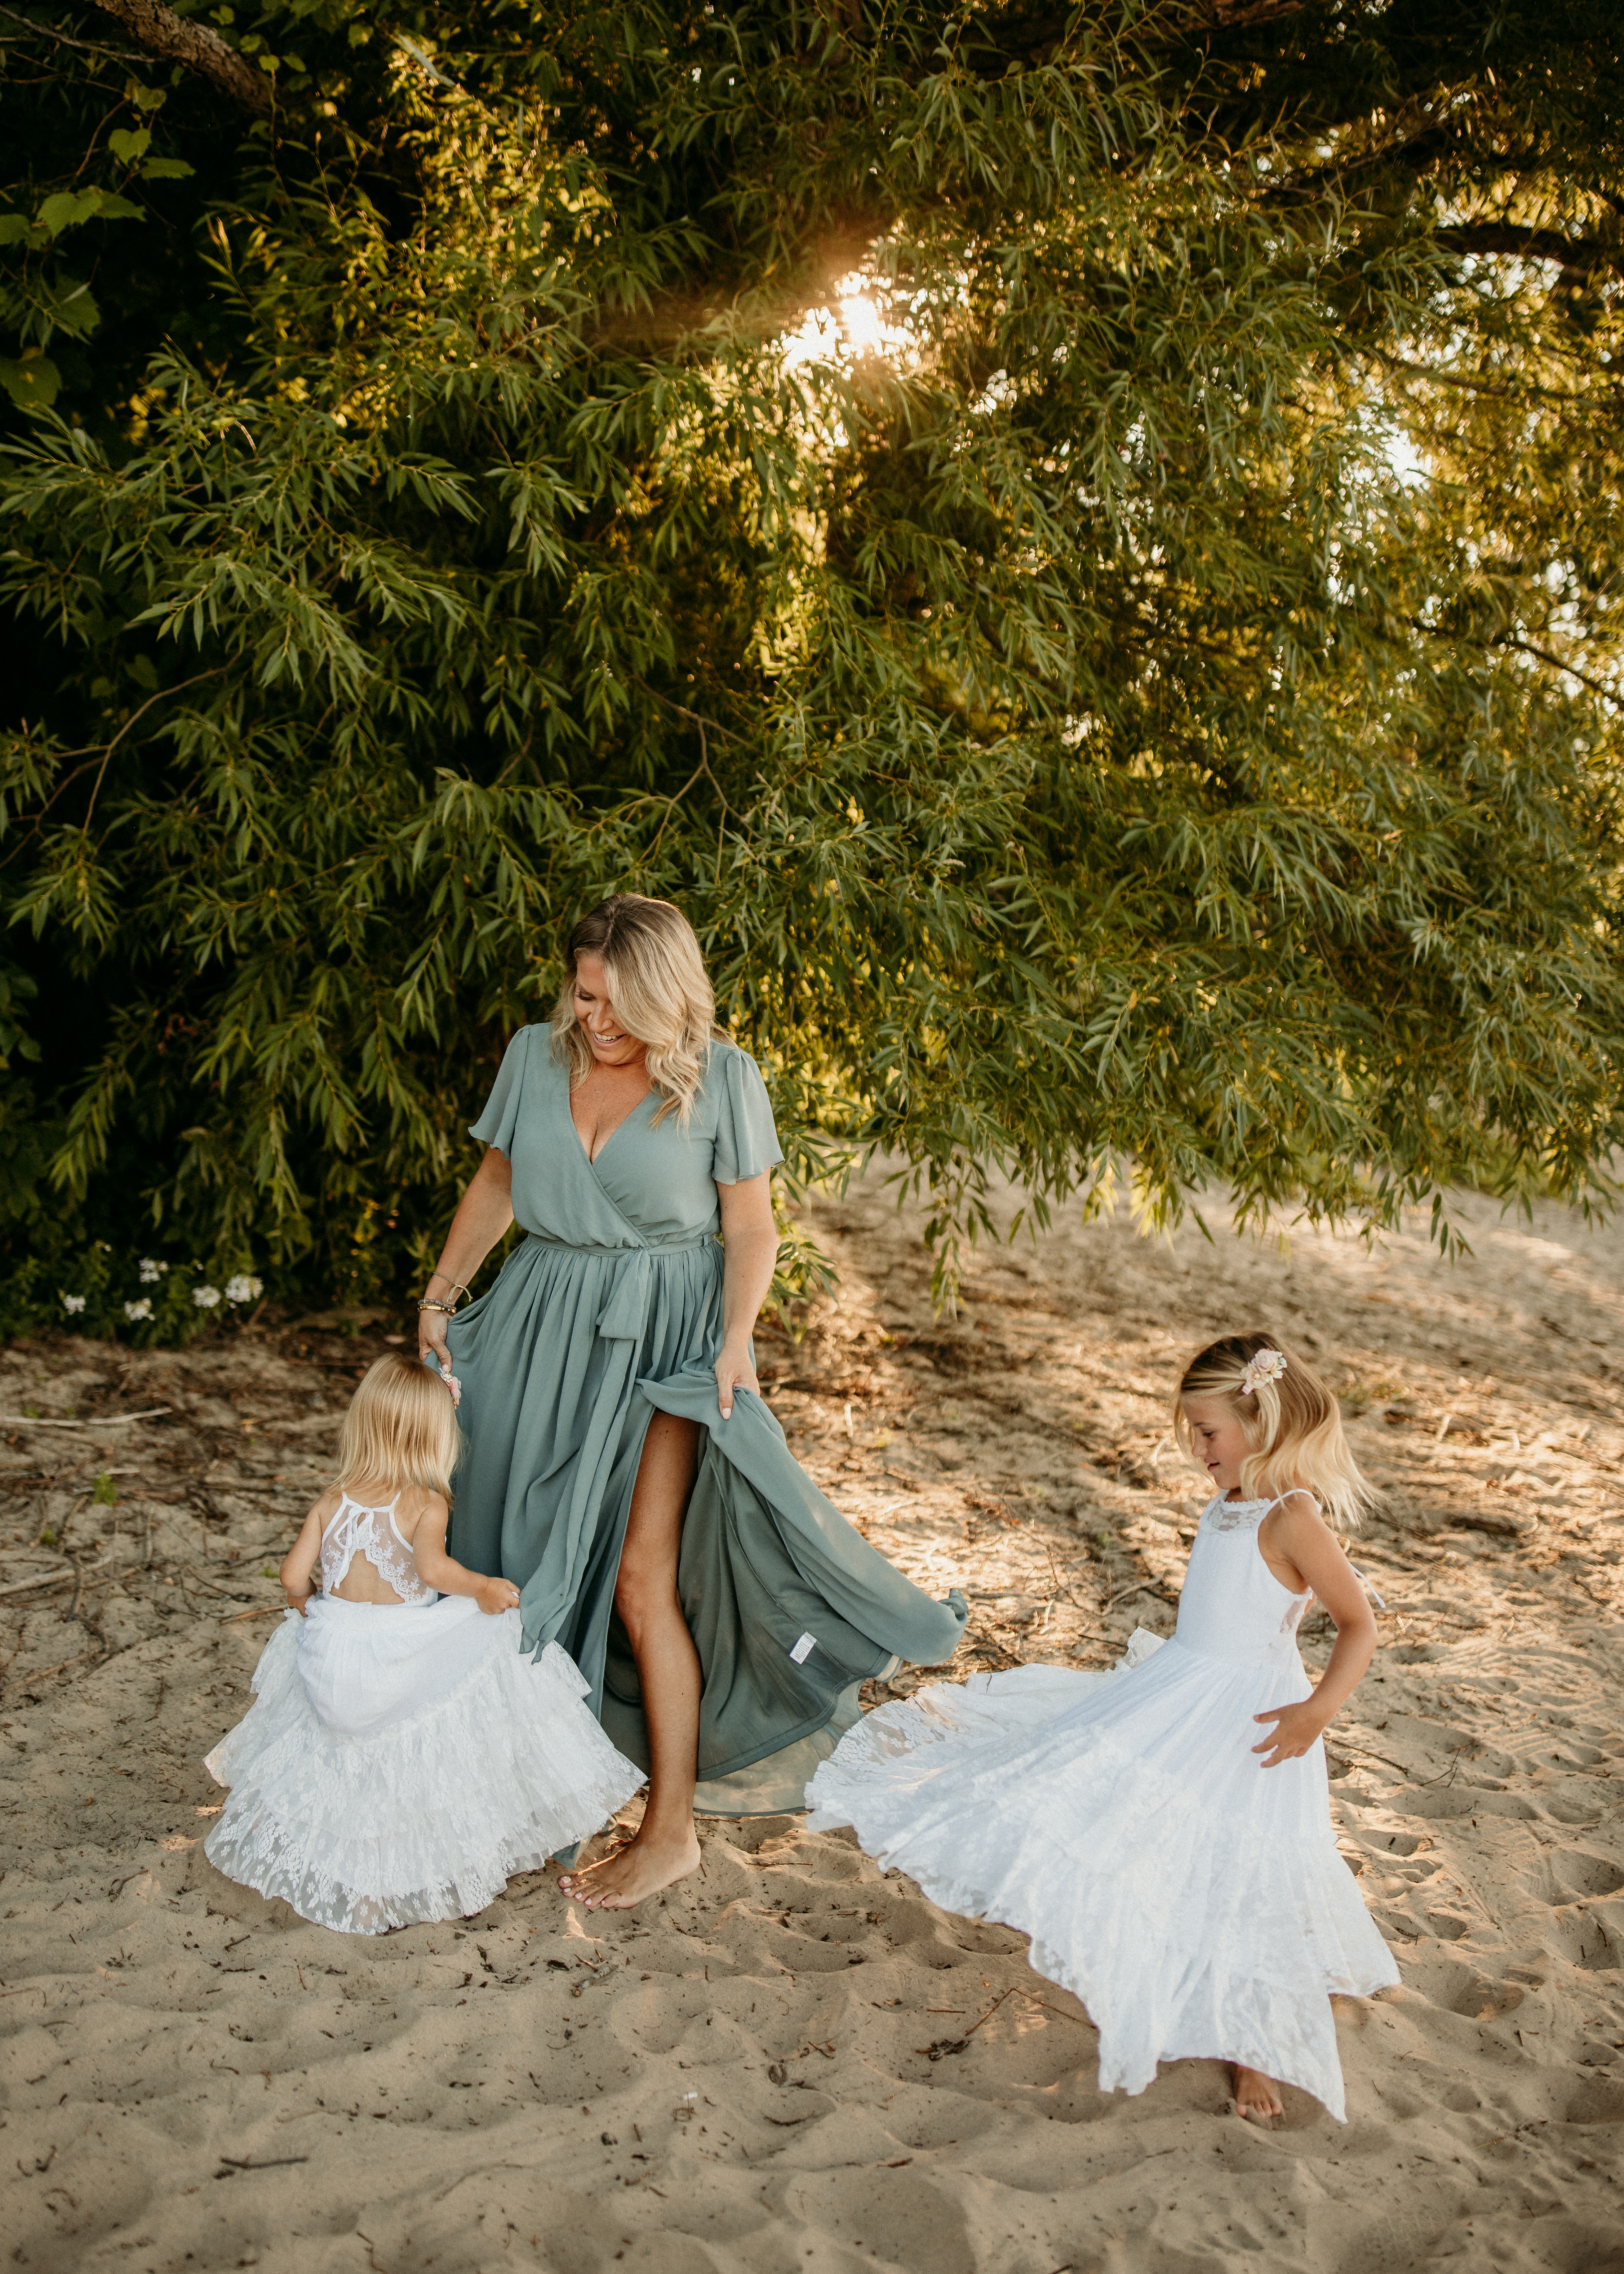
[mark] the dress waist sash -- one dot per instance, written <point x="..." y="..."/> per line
<point x="648" y="1246"/>
<point x="625" y="1308"/>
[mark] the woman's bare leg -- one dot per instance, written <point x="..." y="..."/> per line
<point x="645" y="1595"/>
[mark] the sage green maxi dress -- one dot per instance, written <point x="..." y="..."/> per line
<point x="608" y="1310"/>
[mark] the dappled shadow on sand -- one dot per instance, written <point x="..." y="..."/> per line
<point x="794" y="2061"/>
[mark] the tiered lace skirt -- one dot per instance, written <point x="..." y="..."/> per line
<point x="399" y="1763"/>
<point x="1192" y="1899"/>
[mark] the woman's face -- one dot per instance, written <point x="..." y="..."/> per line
<point x="611" y="1044"/>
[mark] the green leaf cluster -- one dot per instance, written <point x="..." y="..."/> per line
<point x="1155" y="714"/>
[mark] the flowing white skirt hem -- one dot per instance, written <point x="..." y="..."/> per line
<point x="428" y="1817"/>
<point x="1194" y="1903"/>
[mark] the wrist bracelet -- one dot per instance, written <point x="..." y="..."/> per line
<point x="447" y="1310"/>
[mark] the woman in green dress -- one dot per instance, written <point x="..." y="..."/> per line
<point x="623" y="1469"/>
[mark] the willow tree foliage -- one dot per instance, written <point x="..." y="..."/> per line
<point x="1082" y="548"/>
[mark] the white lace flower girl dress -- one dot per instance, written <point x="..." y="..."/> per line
<point x="1193" y="1899"/>
<point x="402" y="1760"/>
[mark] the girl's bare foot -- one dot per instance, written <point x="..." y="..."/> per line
<point x="629" y="1874"/>
<point x="1255" y="2094"/>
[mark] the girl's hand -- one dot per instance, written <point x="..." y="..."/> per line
<point x="495" y="1596"/>
<point x="733" y="1371"/>
<point x="1297" y="1729"/>
<point x="432" y="1337"/>
<point x="298" y="1597"/>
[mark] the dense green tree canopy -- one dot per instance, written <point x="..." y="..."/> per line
<point x="1082" y="548"/>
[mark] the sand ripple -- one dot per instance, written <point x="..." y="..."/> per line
<point x="794" y="2064"/>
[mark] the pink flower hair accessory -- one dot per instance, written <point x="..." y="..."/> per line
<point x="1263" y="1366"/>
<point x="454" y="1386"/>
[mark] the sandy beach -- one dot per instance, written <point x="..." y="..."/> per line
<point x="793" y="2064"/>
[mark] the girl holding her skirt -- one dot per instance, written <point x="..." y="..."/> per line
<point x="1163" y="1832"/>
<point x="401" y="1758"/>
<point x="623" y="1470"/>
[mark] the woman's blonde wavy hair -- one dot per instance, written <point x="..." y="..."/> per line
<point x="1293" y="1423"/>
<point x="401" y="1428"/>
<point x="660" y="990"/>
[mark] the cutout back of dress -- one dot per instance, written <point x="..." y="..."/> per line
<point x="370" y="1532"/>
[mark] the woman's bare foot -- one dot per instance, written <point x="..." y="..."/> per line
<point x="1256" y="2095"/>
<point x="630" y="1873"/>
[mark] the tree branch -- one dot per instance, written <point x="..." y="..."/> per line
<point x="63" y="40"/>
<point x="1034" y="32"/>
<point x="1030" y="29"/>
<point x="1527" y="393"/>
<point x="1579" y="255"/>
<point x="1198" y="17"/>
<point x="1546" y="655"/>
<point x="195" y="48"/>
<point x="1608" y="695"/>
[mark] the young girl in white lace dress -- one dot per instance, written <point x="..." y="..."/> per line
<point x="402" y="1757"/>
<point x="1177" y="1874"/>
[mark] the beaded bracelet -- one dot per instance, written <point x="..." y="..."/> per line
<point x="428" y="1304"/>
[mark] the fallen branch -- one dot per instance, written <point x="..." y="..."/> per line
<point x="59" y="1579"/>
<point x="41" y="1579"/>
<point x="197" y="1576"/>
<point x="1059" y="2011"/>
<point x="30" y="1676"/>
<point x="102" y="1421"/>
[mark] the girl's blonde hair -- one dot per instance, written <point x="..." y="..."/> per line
<point x="401" y="1428"/>
<point x="660" y="990"/>
<point x="1292" y="1421"/>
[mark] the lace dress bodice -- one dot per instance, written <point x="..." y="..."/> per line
<point x="372" y="1533"/>
<point x="1232" y="1606"/>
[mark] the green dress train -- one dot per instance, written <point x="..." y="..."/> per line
<point x="609" y="1309"/>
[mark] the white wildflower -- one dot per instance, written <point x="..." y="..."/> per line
<point x="244" y="1289"/>
<point x="73" y="1302"/>
<point x="206" y="1298"/>
<point x="150" y="1270"/>
<point x="141" y="1310"/>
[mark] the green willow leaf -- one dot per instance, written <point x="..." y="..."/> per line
<point x="1086" y="556"/>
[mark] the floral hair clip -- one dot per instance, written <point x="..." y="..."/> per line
<point x="1263" y="1366"/>
<point x="455" y="1387"/>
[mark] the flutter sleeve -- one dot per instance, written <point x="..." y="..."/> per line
<point x="496" y="1125"/>
<point x="747" y="1142"/>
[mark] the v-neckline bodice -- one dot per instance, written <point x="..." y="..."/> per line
<point x="593" y="1159"/>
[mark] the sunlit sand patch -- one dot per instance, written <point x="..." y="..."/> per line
<point x="793" y="2061"/>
